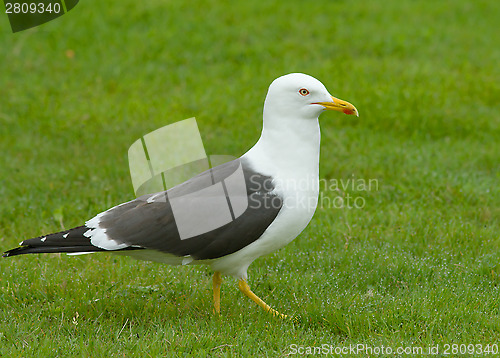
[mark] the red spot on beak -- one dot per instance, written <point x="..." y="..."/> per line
<point x="348" y="111"/>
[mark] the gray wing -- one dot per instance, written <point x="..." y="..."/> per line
<point x="194" y="218"/>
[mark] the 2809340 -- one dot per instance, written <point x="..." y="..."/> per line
<point x="32" y="8"/>
<point x="476" y="349"/>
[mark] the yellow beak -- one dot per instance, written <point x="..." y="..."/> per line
<point x="339" y="105"/>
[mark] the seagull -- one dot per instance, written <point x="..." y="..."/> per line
<point x="262" y="200"/>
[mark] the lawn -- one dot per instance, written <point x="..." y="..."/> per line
<point x="415" y="264"/>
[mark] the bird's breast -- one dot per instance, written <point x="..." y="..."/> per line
<point x="299" y="195"/>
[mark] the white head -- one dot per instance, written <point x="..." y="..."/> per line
<point x="299" y="95"/>
<point x="291" y="134"/>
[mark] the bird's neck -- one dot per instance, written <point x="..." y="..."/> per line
<point x="290" y="148"/>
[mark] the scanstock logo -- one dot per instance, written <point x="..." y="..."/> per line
<point x="25" y="14"/>
<point x="173" y="154"/>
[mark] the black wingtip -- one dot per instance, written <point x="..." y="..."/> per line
<point x="14" y="251"/>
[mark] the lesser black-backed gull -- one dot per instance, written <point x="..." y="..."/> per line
<point x="280" y="194"/>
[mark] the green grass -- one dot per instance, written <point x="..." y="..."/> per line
<point x="417" y="266"/>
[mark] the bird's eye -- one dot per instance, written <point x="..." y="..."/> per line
<point x="303" y="92"/>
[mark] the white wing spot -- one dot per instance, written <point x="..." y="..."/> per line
<point x="154" y="198"/>
<point x="88" y="233"/>
<point x="43" y="239"/>
<point x="79" y="253"/>
<point x="66" y="235"/>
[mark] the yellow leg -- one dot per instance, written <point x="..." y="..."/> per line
<point x="217" y="280"/>
<point x="243" y="285"/>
